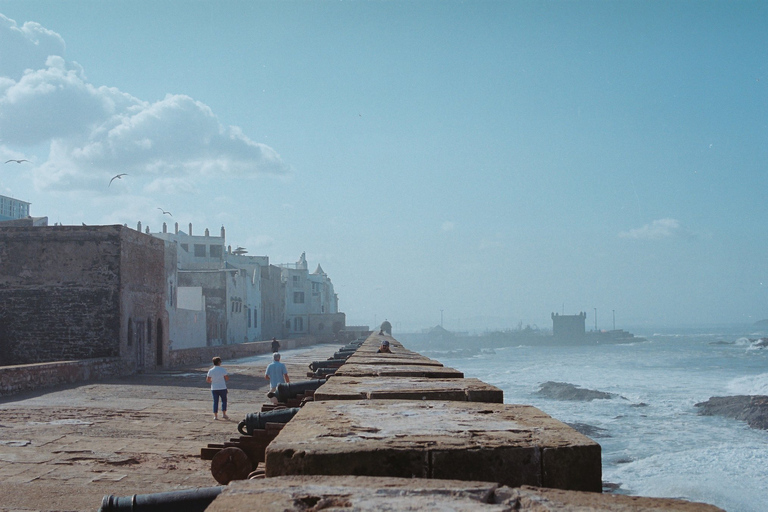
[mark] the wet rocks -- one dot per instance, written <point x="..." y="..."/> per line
<point x="750" y="408"/>
<point x="565" y="391"/>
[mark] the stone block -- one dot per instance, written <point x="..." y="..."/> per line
<point x="396" y="370"/>
<point x="408" y="388"/>
<point x="509" y="444"/>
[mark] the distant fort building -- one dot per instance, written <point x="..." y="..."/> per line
<point x="568" y="326"/>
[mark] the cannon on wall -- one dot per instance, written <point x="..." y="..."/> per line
<point x="330" y="363"/>
<point x="259" y="420"/>
<point x="189" y="500"/>
<point x="287" y="390"/>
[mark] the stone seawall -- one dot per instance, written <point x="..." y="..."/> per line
<point x="398" y="431"/>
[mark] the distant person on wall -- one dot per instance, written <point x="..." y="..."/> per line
<point x="384" y="348"/>
<point x="217" y="378"/>
<point x="276" y="374"/>
<point x="275" y="345"/>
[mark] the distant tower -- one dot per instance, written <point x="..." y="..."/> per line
<point x="568" y="326"/>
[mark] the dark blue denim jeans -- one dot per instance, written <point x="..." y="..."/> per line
<point x="219" y="393"/>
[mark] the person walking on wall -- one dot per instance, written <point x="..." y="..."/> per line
<point x="217" y="378"/>
<point x="276" y="373"/>
<point x="275" y="345"/>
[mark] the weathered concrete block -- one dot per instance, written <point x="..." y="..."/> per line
<point x="509" y="444"/>
<point x="395" y="370"/>
<point x="408" y="388"/>
<point x="302" y="493"/>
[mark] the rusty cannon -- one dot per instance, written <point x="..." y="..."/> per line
<point x="259" y="420"/>
<point x="287" y="390"/>
<point x="189" y="500"/>
<point x="330" y="363"/>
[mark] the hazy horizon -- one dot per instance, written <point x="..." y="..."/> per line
<point x="467" y="163"/>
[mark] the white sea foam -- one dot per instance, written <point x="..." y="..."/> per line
<point x="749" y="385"/>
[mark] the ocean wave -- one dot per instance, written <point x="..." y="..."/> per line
<point x="749" y="385"/>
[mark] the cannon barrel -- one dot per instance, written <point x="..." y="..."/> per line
<point x="259" y="420"/>
<point x="288" y="390"/>
<point x="342" y="355"/>
<point x="189" y="500"/>
<point x="330" y="363"/>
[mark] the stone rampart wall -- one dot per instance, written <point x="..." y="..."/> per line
<point x="29" y="377"/>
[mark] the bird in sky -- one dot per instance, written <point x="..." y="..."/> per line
<point x="117" y="177"/>
<point x="17" y="161"/>
<point x="164" y="212"/>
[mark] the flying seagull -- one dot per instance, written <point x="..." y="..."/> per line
<point x="164" y="212"/>
<point x="17" y="161"/>
<point x="117" y="177"/>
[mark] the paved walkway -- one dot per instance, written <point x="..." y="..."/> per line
<point x="63" y="449"/>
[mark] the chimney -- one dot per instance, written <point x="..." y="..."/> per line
<point x="190" y="229"/>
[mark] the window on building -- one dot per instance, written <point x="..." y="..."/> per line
<point x="296" y="282"/>
<point x="255" y="317"/>
<point x="249" y="317"/>
<point x="298" y="324"/>
<point x="298" y="297"/>
<point x="185" y="247"/>
<point x="216" y="251"/>
<point x="199" y="250"/>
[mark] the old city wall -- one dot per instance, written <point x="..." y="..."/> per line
<point x="29" y="377"/>
<point x="60" y="288"/>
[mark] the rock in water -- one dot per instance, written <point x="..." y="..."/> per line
<point x="565" y="391"/>
<point x="750" y="408"/>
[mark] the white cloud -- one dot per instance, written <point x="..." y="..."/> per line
<point x="95" y="133"/>
<point x="448" y="226"/>
<point x="26" y="47"/>
<point x="657" y="230"/>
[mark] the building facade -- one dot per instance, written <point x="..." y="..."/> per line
<point x="12" y="209"/>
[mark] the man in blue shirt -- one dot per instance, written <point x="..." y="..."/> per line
<point x="276" y="374"/>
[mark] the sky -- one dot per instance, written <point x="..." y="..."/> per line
<point x="480" y="163"/>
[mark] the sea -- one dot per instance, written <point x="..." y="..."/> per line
<point x="654" y="443"/>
